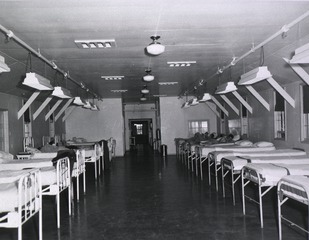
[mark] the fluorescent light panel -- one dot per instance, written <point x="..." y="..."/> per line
<point x="254" y="76"/>
<point x="36" y="81"/>
<point x="3" y="66"/>
<point x="205" y="98"/>
<point x="95" y="44"/>
<point x="226" y="88"/>
<point x="181" y="63"/>
<point x="78" y="101"/>
<point x="112" y="77"/>
<point x="167" y="83"/>
<point x="61" y="92"/>
<point x="160" y="95"/>
<point x="119" y="90"/>
<point x="194" y="102"/>
<point x="301" y="55"/>
<point x="87" y="105"/>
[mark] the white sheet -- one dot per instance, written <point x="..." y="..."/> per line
<point x="25" y="163"/>
<point x="234" y="148"/>
<point x="43" y="155"/>
<point x="294" y="187"/>
<point x="263" y="155"/>
<point x="272" y="173"/>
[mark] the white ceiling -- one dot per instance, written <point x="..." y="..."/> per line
<point x="208" y="32"/>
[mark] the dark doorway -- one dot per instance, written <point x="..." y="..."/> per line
<point x="140" y="131"/>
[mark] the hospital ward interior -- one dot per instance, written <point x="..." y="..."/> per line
<point x="154" y="120"/>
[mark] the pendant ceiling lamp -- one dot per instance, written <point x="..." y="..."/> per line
<point x="301" y="55"/>
<point x="148" y="77"/>
<point x="36" y="81"/>
<point x="78" y="101"/>
<point x="254" y="76"/>
<point x="205" y="98"/>
<point x="3" y="66"/>
<point x="61" y="92"/>
<point x="143" y="98"/>
<point x="226" y="88"/>
<point x="145" y="90"/>
<point x="155" y="48"/>
<point x="87" y="105"/>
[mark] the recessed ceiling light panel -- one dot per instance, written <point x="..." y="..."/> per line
<point x="181" y="63"/>
<point x="119" y="90"/>
<point x="96" y="44"/>
<point x="112" y="77"/>
<point x="168" y="83"/>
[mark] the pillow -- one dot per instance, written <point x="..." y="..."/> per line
<point x="244" y="143"/>
<point x="32" y="150"/>
<point x="236" y="138"/>
<point x="5" y="155"/>
<point x="263" y="144"/>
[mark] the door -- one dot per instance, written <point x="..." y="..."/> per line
<point x="139" y="131"/>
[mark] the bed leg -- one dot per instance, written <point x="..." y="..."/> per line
<point x="99" y="167"/>
<point x="20" y="232"/>
<point x="223" y="176"/>
<point x="233" y="187"/>
<point x="209" y="175"/>
<point x="261" y="206"/>
<point x="77" y="187"/>
<point x="95" y="169"/>
<point x="40" y="219"/>
<point x="196" y="165"/>
<point x="70" y="190"/>
<point x="58" y="209"/>
<point x="84" y="180"/>
<point x="243" y="192"/>
<point x="279" y="217"/>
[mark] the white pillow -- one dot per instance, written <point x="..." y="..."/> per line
<point x="244" y="143"/>
<point x="263" y="144"/>
<point x="32" y="150"/>
<point x="5" y="155"/>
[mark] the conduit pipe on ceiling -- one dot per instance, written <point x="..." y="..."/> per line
<point x="284" y="29"/>
<point x="11" y="35"/>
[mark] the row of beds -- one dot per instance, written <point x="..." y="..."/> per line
<point x="259" y="164"/>
<point x="23" y="182"/>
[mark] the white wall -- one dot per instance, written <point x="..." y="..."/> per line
<point x="174" y="120"/>
<point x="98" y="125"/>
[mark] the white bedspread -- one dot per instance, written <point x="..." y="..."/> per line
<point x="296" y="183"/>
<point x="25" y="163"/>
<point x="262" y="155"/>
<point x="43" y="155"/>
<point x="272" y="173"/>
<point x="236" y="148"/>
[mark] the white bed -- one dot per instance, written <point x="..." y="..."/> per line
<point x="20" y="199"/>
<point x="292" y="187"/>
<point x="93" y="155"/>
<point x="79" y="168"/>
<point x="55" y="179"/>
<point x="204" y="153"/>
<point x="266" y="176"/>
<point x="232" y="162"/>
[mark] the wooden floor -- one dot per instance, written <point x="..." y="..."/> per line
<point x="143" y="196"/>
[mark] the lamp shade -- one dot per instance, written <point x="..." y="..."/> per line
<point x="185" y="105"/>
<point x="78" y="101"/>
<point x="194" y="102"/>
<point x="226" y="88"/>
<point x="61" y="92"/>
<point x="36" y="81"/>
<point x="148" y="78"/>
<point x="155" y="48"/>
<point x="301" y="55"/>
<point x="206" y="97"/>
<point x="87" y="105"/>
<point x="254" y="76"/>
<point x="3" y="66"/>
<point x="143" y="98"/>
<point x="145" y="90"/>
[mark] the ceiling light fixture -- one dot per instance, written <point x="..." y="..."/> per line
<point x="301" y="55"/>
<point x="145" y="90"/>
<point x="254" y="76"/>
<point x="112" y="77"/>
<point x="226" y="88"/>
<point x="160" y="95"/>
<point x="155" y="48"/>
<point x="143" y="98"/>
<point x="181" y="63"/>
<point x="167" y="83"/>
<point x="95" y="44"/>
<point x="3" y="66"/>
<point x="38" y="82"/>
<point x="61" y="92"/>
<point x="78" y="101"/>
<point x="148" y="77"/>
<point x="185" y="105"/>
<point x="119" y="90"/>
<point x="87" y="105"/>
<point x="205" y="98"/>
<point x="194" y="102"/>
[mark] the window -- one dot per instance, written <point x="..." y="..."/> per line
<point x="234" y="127"/>
<point x="305" y="113"/>
<point x="244" y="121"/>
<point x="27" y="123"/>
<point x="279" y="117"/>
<point x="198" y="126"/>
<point x="139" y="128"/>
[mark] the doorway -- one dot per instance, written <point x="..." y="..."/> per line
<point x="141" y="133"/>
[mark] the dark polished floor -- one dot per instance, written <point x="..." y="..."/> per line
<point x="143" y="196"/>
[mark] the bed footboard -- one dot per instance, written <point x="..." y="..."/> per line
<point x="28" y="203"/>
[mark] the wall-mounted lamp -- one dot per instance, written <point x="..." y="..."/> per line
<point x="78" y="101"/>
<point x="226" y="88"/>
<point x="254" y="76"/>
<point x="3" y="66"/>
<point x="301" y="55"/>
<point x="206" y="97"/>
<point x="61" y="92"/>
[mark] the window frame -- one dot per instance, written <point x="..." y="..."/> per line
<point x="277" y="115"/>
<point x="199" y="128"/>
